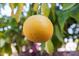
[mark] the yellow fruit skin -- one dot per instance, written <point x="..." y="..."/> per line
<point x="38" y="28"/>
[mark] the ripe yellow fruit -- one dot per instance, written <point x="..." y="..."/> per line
<point x="38" y="28"/>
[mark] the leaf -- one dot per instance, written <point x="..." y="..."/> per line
<point x="2" y="24"/>
<point x="62" y="17"/>
<point x="24" y="42"/>
<point x="58" y="33"/>
<point x="2" y="43"/>
<point x="2" y="51"/>
<point x="30" y="13"/>
<point x="67" y="6"/>
<point x="53" y="8"/>
<point x="49" y="47"/>
<point x="19" y="11"/>
<point x="75" y="13"/>
<point x="1" y="34"/>
<point x="56" y="42"/>
<point x="17" y="48"/>
<point x="35" y="7"/>
<point x="45" y="9"/>
<point x="12" y="8"/>
<point x="76" y="16"/>
<point x="7" y="48"/>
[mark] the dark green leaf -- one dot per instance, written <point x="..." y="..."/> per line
<point x="62" y="17"/>
<point x="56" y="42"/>
<point x="8" y="49"/>
<point x="53" y="9"/>
<point x="75" y="13"/>
<point x="67" y="6"/>
<point x="2" y="51"/>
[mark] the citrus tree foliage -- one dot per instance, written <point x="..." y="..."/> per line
<point x="11" y="26"/>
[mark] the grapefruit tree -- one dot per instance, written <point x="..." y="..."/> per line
<point x="34" y="23"/>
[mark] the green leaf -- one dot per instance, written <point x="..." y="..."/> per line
<point x="35" y="7"/>
<point x="58" y="33"/>
<point x="62" y="17"/>
<point x="12" y="8"/>
<point x="75" y="13"/>
<point x="49" y="47"/>
<point x="2" y="51"/>
<point x="56" y="42"/>
<point x="67" y="6"/>
<point x="45" y="9"/>
<point x="17" y="48"/>
<point x="53" y="9"/>
<point x="30" y="13"/>
<point x="23" y="42"/>
<point x="1" y="34"/>
<point x="8" y="49"/>
<point x="2" y="43"/>
<point x="76" y="16"/>
<point x="18" y="13"/>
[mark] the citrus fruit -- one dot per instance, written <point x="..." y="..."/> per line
<point x="38" y="28"/>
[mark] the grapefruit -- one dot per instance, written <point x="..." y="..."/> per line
<point x="38" y="28"/>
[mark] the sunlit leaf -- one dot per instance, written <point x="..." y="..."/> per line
<point x="35" y="7"/>
<point x="12" y="8"/>
<point x="1" y="34"/>
<point x="45" y="9"/>
<point x="49" y="47"/>
<point x="19" y="11"/>
<point x="2" y="51"/>
<point x="2" y="42"/>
